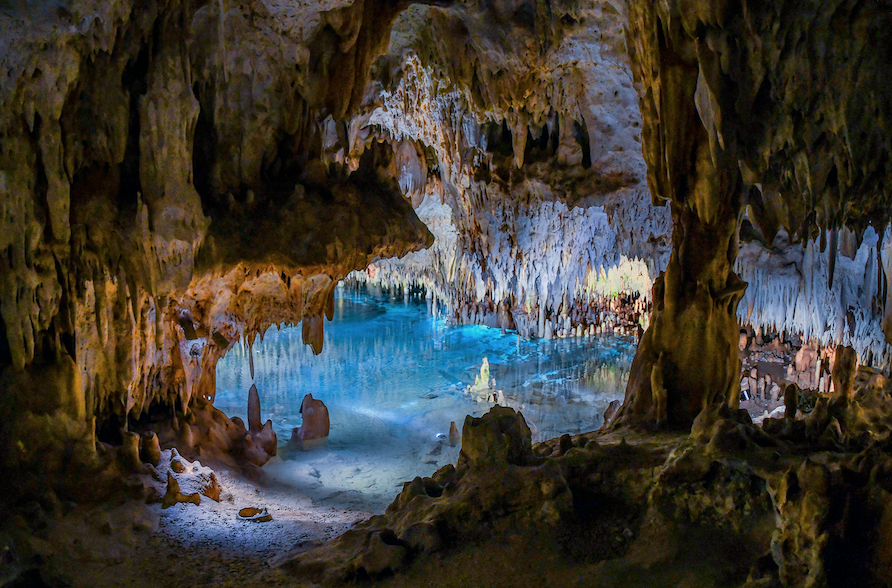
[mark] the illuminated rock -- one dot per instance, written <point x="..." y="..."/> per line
<point x="454" y="434"/>
<point x="188" y="481"/>
<point x="255" y="515"/>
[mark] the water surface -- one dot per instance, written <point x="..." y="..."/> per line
<point x="393" y="378"/>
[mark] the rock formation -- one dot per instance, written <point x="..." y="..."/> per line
<point x="728" y="129"/>
<point x="530" y="178"/>
<point x="315" y="424"/>
<point x="163" y="197"/>
<point x="177" y="177"/>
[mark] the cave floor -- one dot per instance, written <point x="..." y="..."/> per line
<point x="130" y="543"/>
<point x="135" y="544"/>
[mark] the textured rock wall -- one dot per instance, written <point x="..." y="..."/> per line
<point x="162" y="196"/>
<point x="736" y="118"/>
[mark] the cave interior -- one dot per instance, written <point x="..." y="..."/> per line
<point x="707" y="180"/>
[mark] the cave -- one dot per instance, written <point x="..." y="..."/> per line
<point x="621" y="271"/>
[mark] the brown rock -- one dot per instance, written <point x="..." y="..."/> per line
<point x="173" y="494"/>
<point x="150" y="449"/>
<point x="255" y="515"/>
<point x="253" y="452"/>
<point x="316" y="422"/>
<point x="266" y="438"/>
<point x="130" y="452"/>
<point x="501" y="435"/>
<point x="454" y="435"/>
<point x="843" y="375"/>
<point x="253" y="410"/>
<point x="382" y="556"/>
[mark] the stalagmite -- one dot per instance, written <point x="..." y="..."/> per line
<point x="844" y="373"/>
<point x="454" y="434"/>
<point x="315" y="426"/>
<point x="254" y="425"/>
<point x="791" y="401"/>
<point x="150" y="449"/>
<point x="130" y="451"/>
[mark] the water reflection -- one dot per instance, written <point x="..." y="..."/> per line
<point x="393" y="378"/>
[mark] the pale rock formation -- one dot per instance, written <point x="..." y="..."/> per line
<point x="788" y="291"/>
<point x="542" y="174"/>
<point x="187" y="481"/>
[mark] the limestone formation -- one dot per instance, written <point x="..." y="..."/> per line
<point x="174" y="495"/>
<point x="844" y="373"/>
<point x="497" y="471"/>
<point x="315" y="425"/>
<point x="177" y="177"/>
<point x="154" y="217"/>
<point x="150" y="449"/>
<point x="188" y="481"/>
<point x="525" y="163"/>
<point x="454" y="434"/>
<point x="253" y="410"/>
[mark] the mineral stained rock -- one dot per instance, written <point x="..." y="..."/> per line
<point x="316" y="424"/>
<point x="162" y="198"/>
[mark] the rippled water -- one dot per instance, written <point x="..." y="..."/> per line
<point x="393" y="377"/>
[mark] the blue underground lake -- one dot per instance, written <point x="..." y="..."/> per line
<point x="393" y="377"/>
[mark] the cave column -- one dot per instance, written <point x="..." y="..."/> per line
<point x="688" y="358"/>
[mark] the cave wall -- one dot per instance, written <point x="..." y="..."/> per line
<point x="176" y="176"/>
<point x="163" y="196"/>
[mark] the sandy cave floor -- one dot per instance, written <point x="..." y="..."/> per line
<point x="135" y="544"/>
